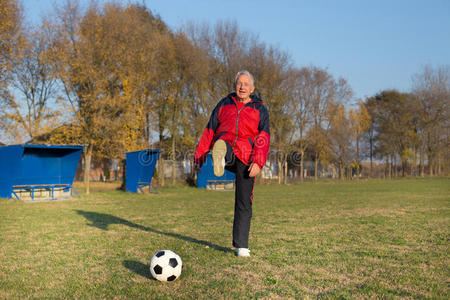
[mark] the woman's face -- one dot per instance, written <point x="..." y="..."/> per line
<point x="244" y="87"/>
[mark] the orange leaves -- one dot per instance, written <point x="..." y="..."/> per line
<point x="359" y="118"/>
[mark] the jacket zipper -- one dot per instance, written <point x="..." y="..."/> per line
<point x="237" y="124"/>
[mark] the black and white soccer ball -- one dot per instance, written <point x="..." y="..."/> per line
<point x="166" y="265"/>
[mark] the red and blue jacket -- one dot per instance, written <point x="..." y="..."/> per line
<point x="245" y="129"/>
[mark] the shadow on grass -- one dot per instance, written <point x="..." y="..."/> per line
<point x="102" y="221"/>
<point x="138" y="268"/>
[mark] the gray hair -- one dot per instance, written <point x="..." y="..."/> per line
<point x="244" y="72"/>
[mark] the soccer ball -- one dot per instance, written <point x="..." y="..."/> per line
<point x="166" y="265"/>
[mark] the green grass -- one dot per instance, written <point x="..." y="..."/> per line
<point x="364" y="239"/>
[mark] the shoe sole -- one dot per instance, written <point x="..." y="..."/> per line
<point x="218" y="155"/>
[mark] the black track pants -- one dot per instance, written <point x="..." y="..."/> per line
<point x="243" y="198"/>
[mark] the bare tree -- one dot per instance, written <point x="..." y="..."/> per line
<point x="359" y="123"/>
<point x="300" y="103"/>
<point x="340" y="139"/>
<point x="324" y="90"/>
<point x="432" y="88"/>
<point x="34" y="83"/>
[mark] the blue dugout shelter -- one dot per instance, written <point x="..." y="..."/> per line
<point x="31" y="172"/>
<point x="140" y="167"/>
<point x="207" y="180"/>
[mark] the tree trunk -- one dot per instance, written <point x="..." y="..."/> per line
<point x="357" y="158"/>
<point x="87" y="166"/>
<point x="124" y="175"/>
<point x="258" y="179"/>
<point x="430" y="164"/>
<point x="147" y="128"/>
<point x="439" y="166"/>
<point x="389" y="164"/>
<point x="301" y="167"/>
<point x="421" y="162"/>
<point x="174" y="170"/>
<point x="394" y="166"/>
<point x="316" y="166"/>
<point x="429" y="154"/>
<point x="357" y="149"/>
<point x="161" y="135"/>
<point x="415" y="167"/>
<point x="161" y="171"/>
<point x="280" y="169"/>
<point x="371" y="155"/>
<point x="404" y="166"/>
<point x="285" y="171"/>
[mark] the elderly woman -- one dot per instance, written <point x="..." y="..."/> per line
<point x="238" y="133"/>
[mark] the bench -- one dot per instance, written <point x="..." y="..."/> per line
<point x="140" y="185"/>
<point x="215" y="183"/>
<point x="32" y="188"/>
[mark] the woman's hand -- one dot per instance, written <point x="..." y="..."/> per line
<point x="254" y="169"/>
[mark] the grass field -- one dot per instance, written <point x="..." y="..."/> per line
<point x="364" y="239"/>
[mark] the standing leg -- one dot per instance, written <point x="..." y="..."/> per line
<point x="243" y="205"/>
<point x="224" y="155"/>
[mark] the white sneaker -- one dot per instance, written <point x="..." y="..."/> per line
<point x="242" y="252"/>
<point x="218" y="155"/>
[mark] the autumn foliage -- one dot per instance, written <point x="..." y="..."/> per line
<point x="116" y="78"/>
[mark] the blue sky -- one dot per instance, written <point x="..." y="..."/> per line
<point x="375" y="45"/>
